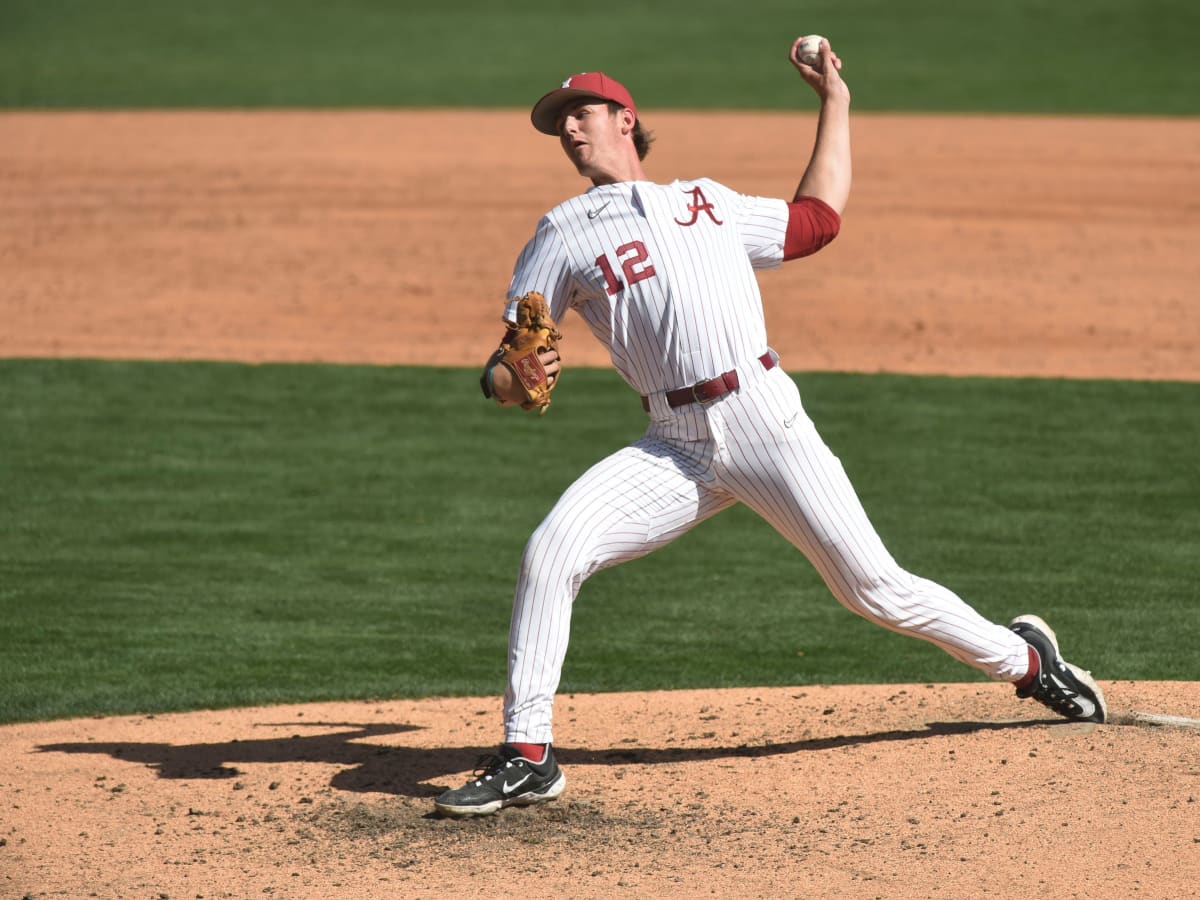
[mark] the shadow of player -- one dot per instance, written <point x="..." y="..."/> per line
<point x="421" y="771"/>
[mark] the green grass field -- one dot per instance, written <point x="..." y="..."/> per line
<point x="1099" y="56"/>
<point x="189" y="535"/>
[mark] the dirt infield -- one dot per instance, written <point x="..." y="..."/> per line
<point x="892" y="791"/>
<point x="1012" y="246"/>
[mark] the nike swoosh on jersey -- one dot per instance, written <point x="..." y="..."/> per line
<point x="592" y="213"/>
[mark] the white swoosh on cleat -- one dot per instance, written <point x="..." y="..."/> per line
<point x="507" y="789"/>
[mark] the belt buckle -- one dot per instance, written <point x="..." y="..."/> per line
<point x="708" y="401"/>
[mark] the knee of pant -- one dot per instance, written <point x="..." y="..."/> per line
<point x="884" y="596"/>
<point x="551" y="558"/>
<point x="544" y="544"/>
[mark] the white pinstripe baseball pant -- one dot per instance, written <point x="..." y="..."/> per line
<point x="757" y="446"/>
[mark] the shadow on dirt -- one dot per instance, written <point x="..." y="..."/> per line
<point x="409" y="771"/>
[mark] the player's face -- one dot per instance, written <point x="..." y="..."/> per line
<point x="592" y="137"/>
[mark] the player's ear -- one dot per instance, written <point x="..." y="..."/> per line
<point x="628" y="120"/>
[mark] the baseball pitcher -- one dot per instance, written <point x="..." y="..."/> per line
<point x="664" y="275"/>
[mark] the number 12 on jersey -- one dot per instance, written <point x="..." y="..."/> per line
<point x="634" y="264"/>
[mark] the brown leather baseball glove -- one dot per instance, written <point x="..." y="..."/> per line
<point x="534" y="330"/>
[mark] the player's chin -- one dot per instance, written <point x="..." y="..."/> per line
<point x="581" y="160"/>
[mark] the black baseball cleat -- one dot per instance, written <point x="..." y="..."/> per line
<point x="504" y="779"/>
<point x="1066" y="689"/>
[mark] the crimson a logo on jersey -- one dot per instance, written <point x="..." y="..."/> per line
<point x="699" y="204"/>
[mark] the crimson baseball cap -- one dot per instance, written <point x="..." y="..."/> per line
<point x="586" y="84"/>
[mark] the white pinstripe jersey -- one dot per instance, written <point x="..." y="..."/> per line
<point x="663" y="274"/>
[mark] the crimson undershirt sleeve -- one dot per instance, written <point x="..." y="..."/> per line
<point x="812" y="224"/>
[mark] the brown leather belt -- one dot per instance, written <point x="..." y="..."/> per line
<point x="703" y="391"/>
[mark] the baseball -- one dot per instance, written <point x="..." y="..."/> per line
<point x="809" y="51"/>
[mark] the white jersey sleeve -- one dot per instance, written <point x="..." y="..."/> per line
<point x="763" y="222"/>
<point x="545" y="266"/>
